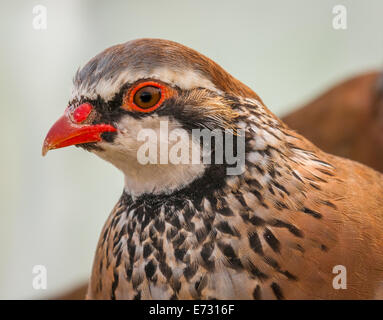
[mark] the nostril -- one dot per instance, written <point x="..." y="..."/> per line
<point x="82" y="112"/>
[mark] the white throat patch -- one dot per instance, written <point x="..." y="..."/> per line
<point x="148" y="178"/>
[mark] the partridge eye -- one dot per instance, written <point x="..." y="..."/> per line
<point x="147" y="97"/>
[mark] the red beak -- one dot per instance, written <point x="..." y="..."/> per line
<point x="65" y="132"/>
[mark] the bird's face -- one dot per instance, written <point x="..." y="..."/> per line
<point x="147" y="86"/>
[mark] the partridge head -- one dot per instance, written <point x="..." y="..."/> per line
<point x="275" y="229"/>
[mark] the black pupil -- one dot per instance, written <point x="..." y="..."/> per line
<point x="146" y="96"/>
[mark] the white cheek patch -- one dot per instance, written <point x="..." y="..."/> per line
<point x="184" y="79"/>
<point x="154" y="177"/>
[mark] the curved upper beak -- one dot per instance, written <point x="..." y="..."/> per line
<point x="66" y="133"/>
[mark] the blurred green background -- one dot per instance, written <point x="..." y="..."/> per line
<point x="53" y="208"/>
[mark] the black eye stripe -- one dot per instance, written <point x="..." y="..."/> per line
<point x="110" y="111"/>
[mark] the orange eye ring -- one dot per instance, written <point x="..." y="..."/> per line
<point x="131" y="101"/>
